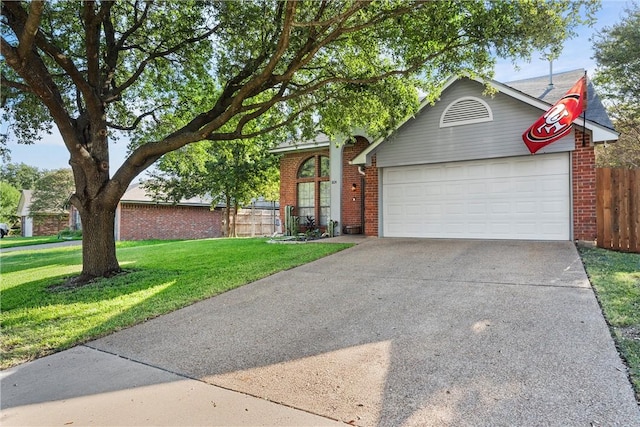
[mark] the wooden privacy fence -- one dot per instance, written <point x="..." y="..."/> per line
<point x="257" y="222"/>
<point x="618" y="209"/>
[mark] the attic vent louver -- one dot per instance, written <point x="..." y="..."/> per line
<point x="464" y="111"/>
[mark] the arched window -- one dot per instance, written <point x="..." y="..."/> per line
<point x="314" y="190"/>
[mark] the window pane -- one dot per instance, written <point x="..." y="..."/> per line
<point x="306" y="200"/>
<point x="303" y="213"/>
<point x="325" y="193"/>
<point x="324" y="217"/>
<point x="306" y="196"/>
<point x="325" y="202"/>
<point x="324" y="166"/>
<point x="308" y="169"/>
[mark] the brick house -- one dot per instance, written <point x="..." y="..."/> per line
<point x="46" y="224"/>
<point x="457" y="169"/>
<point x="139" y="217"/>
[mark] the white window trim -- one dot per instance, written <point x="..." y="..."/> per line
<point x="469" y="121"/>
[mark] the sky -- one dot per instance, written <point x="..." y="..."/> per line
<point x="50" y="153"/>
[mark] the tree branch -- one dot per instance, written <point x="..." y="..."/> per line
<point x="336" y="19"/>
<point x="137" y="24"/>
<point x="16" y="17"/>
<point x="137" y="120"/>
<point x="16" y="85"/>
<point x="237" y="133"/>
<point x="117" y="91"/>
<point x="30" y="29"/>
<point x="111" y="49"/>
<point x="37" y="77"/>
<point x="92" y="42"/>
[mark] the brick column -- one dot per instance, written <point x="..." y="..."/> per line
<point x="583" y="170"/>
<point x="371" y="199"/>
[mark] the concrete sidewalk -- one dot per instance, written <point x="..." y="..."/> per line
<point x="392" y="332"/>
<point x="43" y="246"/>
<point x="84" y="386"/>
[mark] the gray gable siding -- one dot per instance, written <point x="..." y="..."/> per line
<point x="422" y="141"/>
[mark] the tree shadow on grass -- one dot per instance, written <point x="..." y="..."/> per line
<point x="51" y="290"/>
<point x="19" y="261"/>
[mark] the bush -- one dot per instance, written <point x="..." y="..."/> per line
<point x="68" y="234"/>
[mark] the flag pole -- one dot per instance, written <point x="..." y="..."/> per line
<point x="584" y="116"/>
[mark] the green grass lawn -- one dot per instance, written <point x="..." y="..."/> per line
<point x="615" y="276"/>
<point x="14" y="241"/>
<point x="36" y="319"/>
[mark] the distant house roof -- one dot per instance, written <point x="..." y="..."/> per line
<point x="24" y="203"/>
<point x="137" y="194"/>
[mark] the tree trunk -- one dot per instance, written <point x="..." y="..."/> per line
<point x="234" y="217"/>
<point x="98" y="244"/>
<point x="227" y="217"/>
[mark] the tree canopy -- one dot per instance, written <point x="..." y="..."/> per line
<point x="9" y="198"/>
<point x="20" y="175"/>
<point x="51" y="193"/>
<point x="230" y="172"/>
<point x="617" y="53"/>
<point x="95" y="68"/>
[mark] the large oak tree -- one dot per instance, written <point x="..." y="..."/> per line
<point x="94" y="67"/>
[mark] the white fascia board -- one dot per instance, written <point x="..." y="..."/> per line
<point x="300" y="147"/>
<point x="599" y="133"/>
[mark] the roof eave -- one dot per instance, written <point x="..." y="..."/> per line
<point x="300" y="147"/>
<point x="599" y="133"/>
<point x="141" y="202"/>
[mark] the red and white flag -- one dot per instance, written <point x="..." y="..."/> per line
<point x="556" y="122"/>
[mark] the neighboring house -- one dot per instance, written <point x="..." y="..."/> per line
<point x="140" y="217"/>
<point x="457" y="169"/>
<point x="44" y="224"/>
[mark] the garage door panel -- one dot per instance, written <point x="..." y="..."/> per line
<point x="528" y="207"/>
<point x="514" y="198"/>
<point x="477" y="208"/>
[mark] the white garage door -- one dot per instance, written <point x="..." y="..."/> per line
<point x="509" y="198"/>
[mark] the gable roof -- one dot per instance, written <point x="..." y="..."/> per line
<point x="24" y="205"/>
<point x="540" y="88"/>
<point x="535" y="92"/>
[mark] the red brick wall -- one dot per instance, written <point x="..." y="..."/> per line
<point x="289" y="165"/>
<point x="49" y="225"/>
<point x="352" y="209"/>
<point x="371" y="199"/>
<point x="583" y="171"/>
<point x="140" y="221"/>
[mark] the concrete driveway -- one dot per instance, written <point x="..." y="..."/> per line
<point x="393" y="332"/>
